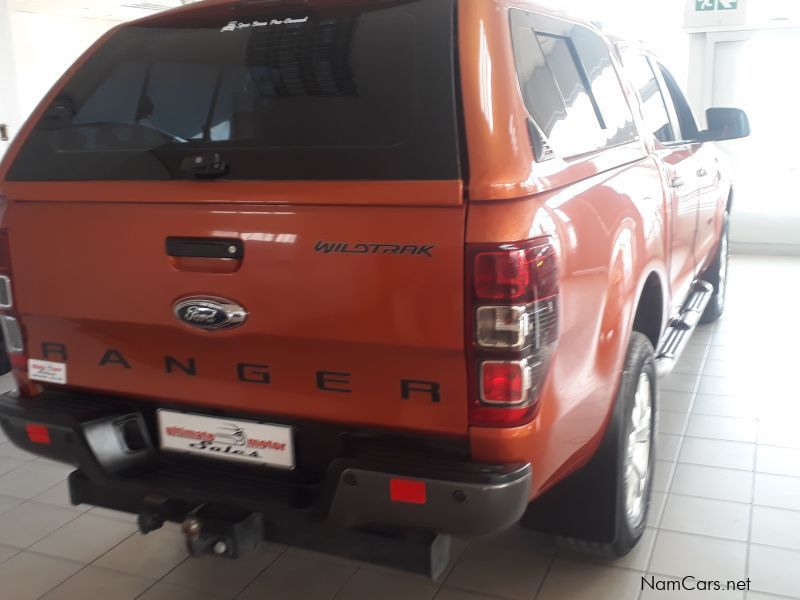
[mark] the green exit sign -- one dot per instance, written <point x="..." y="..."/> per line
<point x="710" y="5"/>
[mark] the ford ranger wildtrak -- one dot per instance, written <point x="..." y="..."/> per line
<point x="342" y="271"/>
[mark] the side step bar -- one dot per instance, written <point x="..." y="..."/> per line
<point x="681" y="329"/>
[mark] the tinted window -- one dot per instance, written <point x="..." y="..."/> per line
<point x="357" y="92"/>
<point x="686" y="120"/>
<point x="654" y="110"/>
<point x="569" y="85"/>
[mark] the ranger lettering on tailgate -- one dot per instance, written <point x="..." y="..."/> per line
<point x="326" y="381"/>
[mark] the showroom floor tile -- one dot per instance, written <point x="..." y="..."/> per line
<point x="726" y="505"/>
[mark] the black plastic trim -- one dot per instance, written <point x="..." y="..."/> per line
<point x="85" y="432"/>
<point x="205" y="247"/>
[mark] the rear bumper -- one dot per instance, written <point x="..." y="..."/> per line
<point x="120" y="467"/>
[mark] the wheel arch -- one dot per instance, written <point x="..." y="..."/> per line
<point x="649" y="315"/>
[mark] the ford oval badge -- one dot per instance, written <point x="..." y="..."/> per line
<point x="209" y="313"/>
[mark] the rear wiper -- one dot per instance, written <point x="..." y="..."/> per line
<point x="208" y="165"/>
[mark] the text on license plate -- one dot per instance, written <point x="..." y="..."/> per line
<point x="218" y="437"/>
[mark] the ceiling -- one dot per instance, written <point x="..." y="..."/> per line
<point x="607" y="11"/>
<point x="96" y="9"/>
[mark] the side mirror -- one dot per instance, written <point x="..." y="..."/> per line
<point x="725" y="124"/>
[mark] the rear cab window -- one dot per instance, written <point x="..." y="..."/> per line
<point x="353" y="92"/>
<point x="570" y="87"/>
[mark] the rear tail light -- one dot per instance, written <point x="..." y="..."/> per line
<point x="13" y="331"/>
<point x="512" y="298"/>
<point x="12" y="334"/>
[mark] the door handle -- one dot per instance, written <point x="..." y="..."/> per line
<point x="701" y="172"/>
<point x="227" y="248"/>
<point x="205" y="255"/>
<point x="3" y="132"/>
<point x="677" y="182"/>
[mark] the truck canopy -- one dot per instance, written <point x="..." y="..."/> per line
<point x="320" y="141"/>
<point x="322" y="92"/>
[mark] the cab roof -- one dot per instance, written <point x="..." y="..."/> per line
<point x="230" y="8"/>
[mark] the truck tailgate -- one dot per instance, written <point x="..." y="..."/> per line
<point x="355" y="314"/>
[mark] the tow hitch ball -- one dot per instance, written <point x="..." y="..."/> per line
<point x="228" y="539"/>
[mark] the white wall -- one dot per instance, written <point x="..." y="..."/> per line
<point x="45" y="45"/>
<point x="766" y="216"/>
<point x="739" y="63"/>
<point x="8" y="98"/>
<point x="40" y="39"/>
<point x="657" y="23"/>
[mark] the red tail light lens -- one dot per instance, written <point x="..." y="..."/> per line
<point x="501" y="275"/>
<point x="517" y="273"/>
<point x="5" y="261"/>
<point x="504" y="381"/>
<point x="512" y="293"/>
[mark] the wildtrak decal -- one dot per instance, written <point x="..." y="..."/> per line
<point x="367" y="248"/>
<point x="237" y="25"/>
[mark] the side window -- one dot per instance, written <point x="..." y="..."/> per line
<point x="569" y="86"/>
<point x="654" y="108"/>
<point x="686" y="119"/>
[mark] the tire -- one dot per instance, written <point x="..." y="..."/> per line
<point x="602" y="508"/>
<point x="717" y="275"/>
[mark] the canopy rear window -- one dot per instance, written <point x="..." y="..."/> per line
<point x="356" y="92"/>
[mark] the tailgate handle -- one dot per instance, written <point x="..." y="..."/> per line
<point x="205" y="247"/>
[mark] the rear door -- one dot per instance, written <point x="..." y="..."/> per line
<point x="678" y="160"/>
<point x="706" y="170"/>
<point x="320" y="144"/>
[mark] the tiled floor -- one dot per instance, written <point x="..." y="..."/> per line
<point x="727" y="504"/>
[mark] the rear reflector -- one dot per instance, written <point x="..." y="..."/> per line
<point x="38" y="434"/>
<point x="408" y="491"/>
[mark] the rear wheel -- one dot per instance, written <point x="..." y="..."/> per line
<point x="602" y="509"/>
<point x="717" y="275"/>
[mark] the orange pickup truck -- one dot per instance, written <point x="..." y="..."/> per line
<point x="354" y="268"/>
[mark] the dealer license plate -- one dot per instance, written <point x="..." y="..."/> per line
<point x="218" y="437"/>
